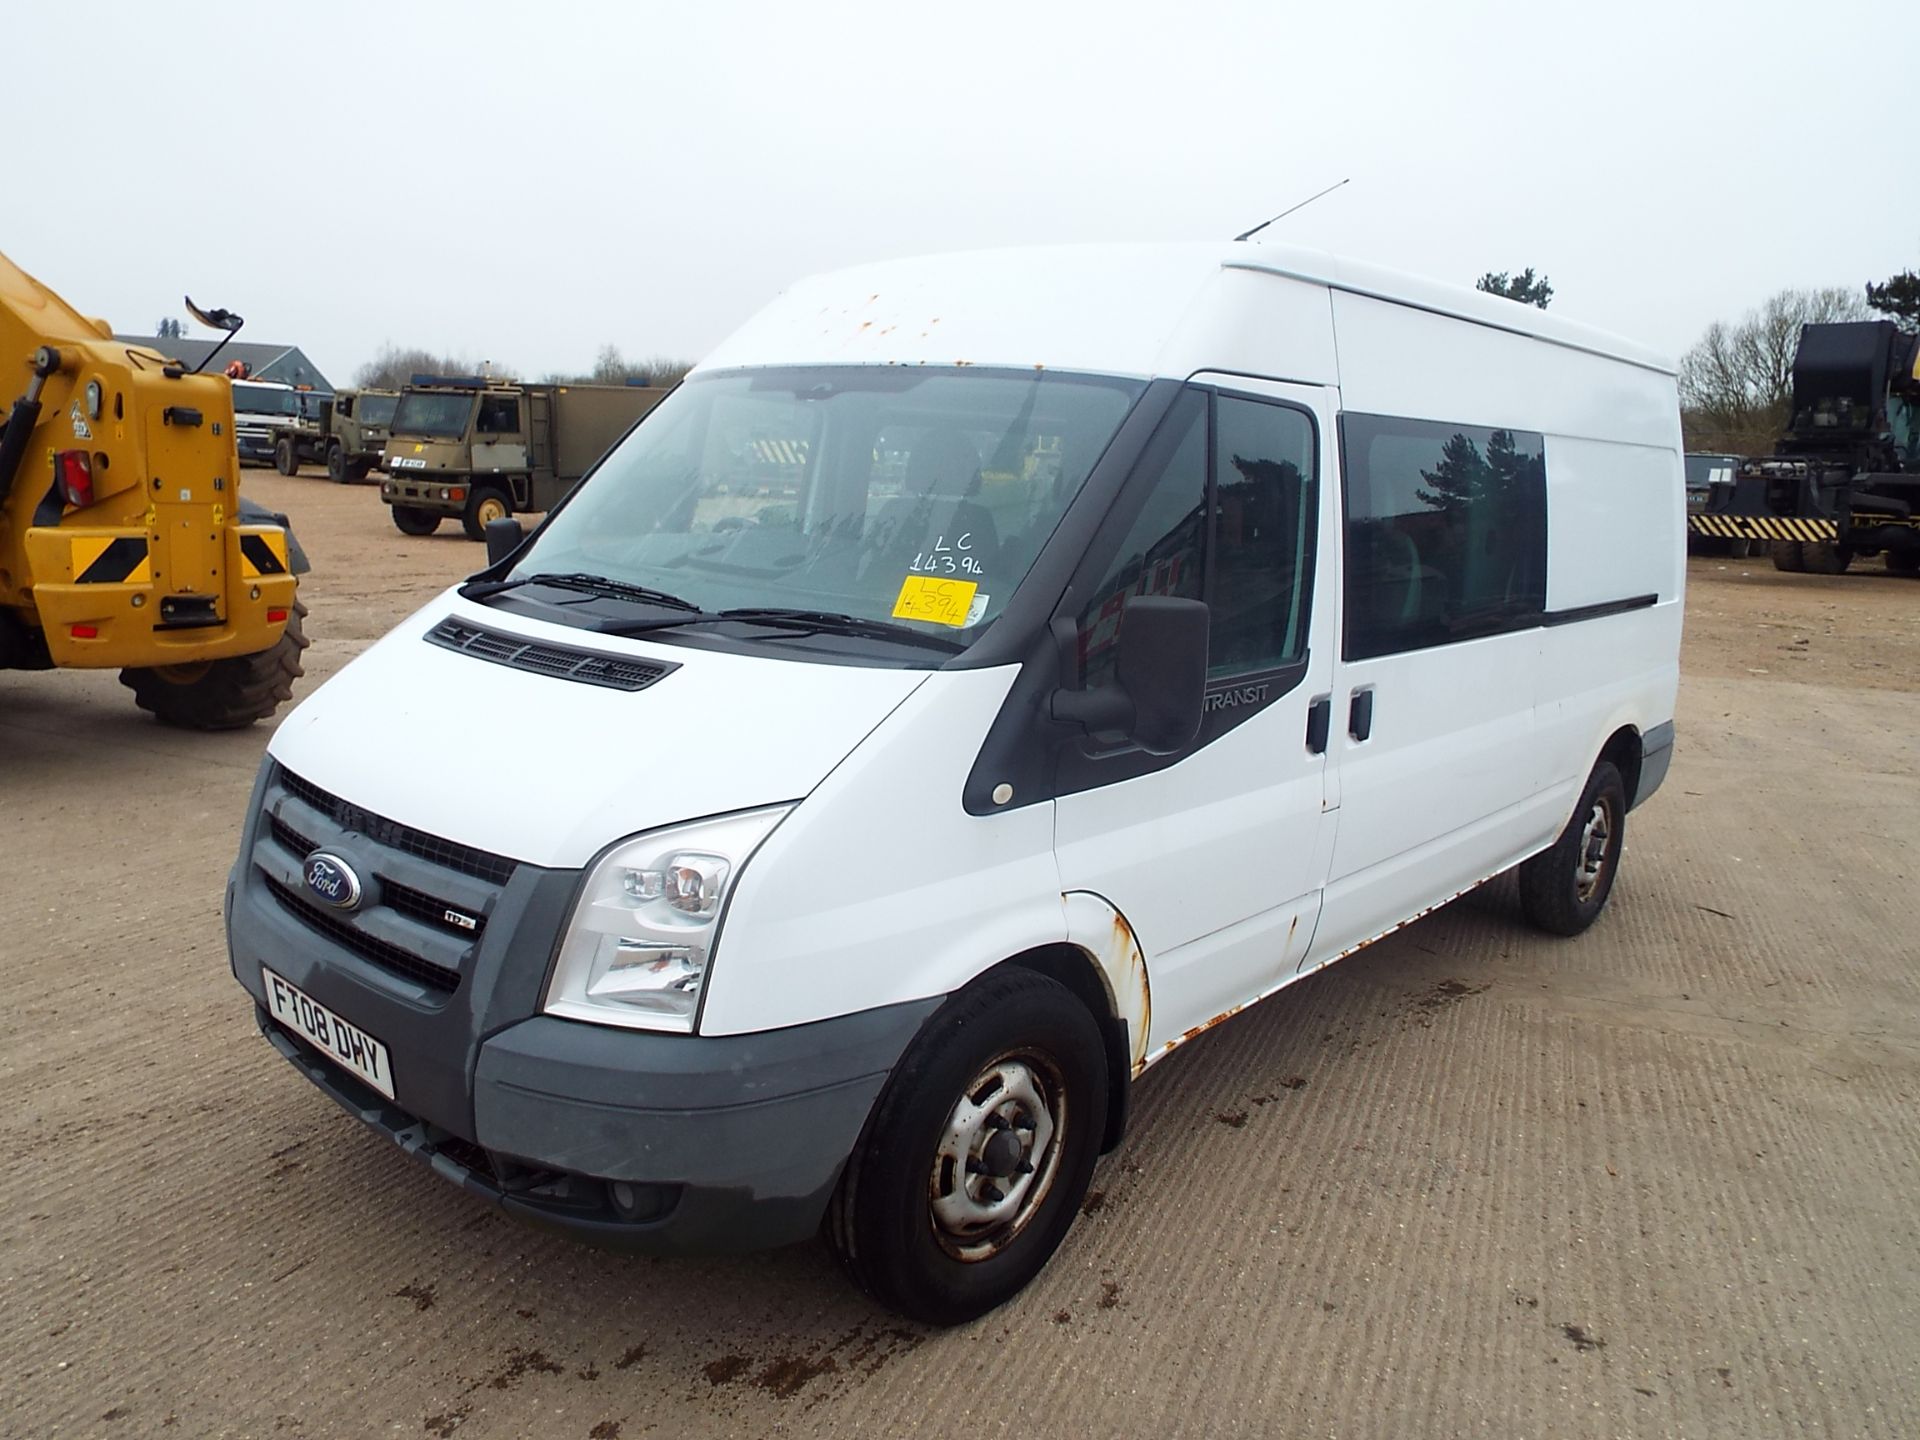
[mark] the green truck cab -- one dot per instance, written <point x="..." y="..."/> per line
<point x="480" y="449"/>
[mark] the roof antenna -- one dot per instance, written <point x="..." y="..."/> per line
<point x="1249" y="234"/>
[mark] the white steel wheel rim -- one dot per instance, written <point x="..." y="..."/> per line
<point x="997" y="1156"/>
<point x="1596" y="845"/>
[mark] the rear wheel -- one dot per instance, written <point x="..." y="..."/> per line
<point x="223" y="694"/>
<point x="975" y="1161"/>
<point x="485" y="505"/>
<point x="284" y="458"/>
<point x="1738" y="547"/>
<point x="412" y="520"/>
<point x="1564" y="888"/>
<point x="339" y="468"/>
<point x="1789" y="555"/>
<point x="1823" y="557"/>
<point x="1904" y="562"/>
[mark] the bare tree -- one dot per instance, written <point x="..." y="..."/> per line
<point x="610" y="367"/>
<point x="395" y="365"/>
<point x="1737" y="380"/>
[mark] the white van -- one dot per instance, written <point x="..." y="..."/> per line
<point x="982" y="675"/>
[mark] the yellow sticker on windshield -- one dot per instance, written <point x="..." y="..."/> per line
<point x="938" y="602"/>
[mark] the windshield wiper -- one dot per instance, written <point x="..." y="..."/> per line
<point x="585" y="583"/>
<point x="800" y="622"/>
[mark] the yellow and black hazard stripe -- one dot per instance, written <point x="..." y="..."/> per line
<point x="111" y="560"/>
<point x="263" y="553"/>
<point x="1763" y="527"/>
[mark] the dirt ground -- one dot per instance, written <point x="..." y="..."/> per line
<point x="1656" y="1181"/>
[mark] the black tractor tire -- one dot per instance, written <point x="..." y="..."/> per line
<point x="1823" y="557"/>
<point x="1904" y="562"/>
<point x="412" y="520"/>
<point x="285" y="458"/>
<point x="1789" y="555"/>
<point x="485" y="503"/>
<point x="1564" y="888"/>
<point x="1739" y="547"/>
<point x="935" y="1237"/>
<point x="339" y="468"/>
<point x="224" y="694"/>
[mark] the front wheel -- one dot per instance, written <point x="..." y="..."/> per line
<point x="223" y="694"/>
<point x="339" y="468"/>
<point x="284" y="458"/>
<point x="1790" y="555"/>
<point x="1904" y="562"/>
<point x="1564" y="888"/>
<point x="975" y="1161"/>
<point x="485" y="505"/>
<point x="412" y="520"/>
<point x="1823" y="557"/>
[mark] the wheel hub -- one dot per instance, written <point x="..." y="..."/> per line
<point x="996" y="1158"/>
<point x="1596" y="840"/>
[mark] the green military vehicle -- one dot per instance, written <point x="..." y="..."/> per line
<point x="481" y="450"/>
<point x="345" y="431"/>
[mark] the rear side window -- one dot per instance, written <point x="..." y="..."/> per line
<point x="1446" y="533"/>
<point x="1230" y="522"/>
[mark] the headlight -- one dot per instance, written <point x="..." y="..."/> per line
<point x="637" y="947"/>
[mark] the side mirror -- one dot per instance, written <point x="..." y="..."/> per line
<point x="503" y="538"/>
<point x="1158" y="696"/>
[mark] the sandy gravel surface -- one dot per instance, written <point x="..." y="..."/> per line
<point x="1657" y="1181"/>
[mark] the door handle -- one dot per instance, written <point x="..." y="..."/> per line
<point x="1319" y="721"/>
<point x="1360" y="715"/>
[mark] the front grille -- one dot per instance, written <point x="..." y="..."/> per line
<point x="563" y="662"/>
<point x="481" y="864"/>
<point x="433" y="911"/>
<point x="380" y="952"/>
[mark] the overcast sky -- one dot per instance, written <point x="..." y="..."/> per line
<point x="525" y="183"/>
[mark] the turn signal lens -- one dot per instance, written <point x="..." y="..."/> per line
<point x="73" y="472"/>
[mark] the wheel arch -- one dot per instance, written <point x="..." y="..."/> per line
<point x="1626" y="750"/>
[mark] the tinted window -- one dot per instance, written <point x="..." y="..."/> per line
<point x="499" y="415"/>
<point x="1257" y="575"/>
<point x="1263" y="524"/>
<point x="1446" y="532"/>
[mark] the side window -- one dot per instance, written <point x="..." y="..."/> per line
<point x="1243" y="542"/>
<point x="1264" y="507"/>
<point x="1162" y="552"/>
<point x="499" y="415"/>
<point x="1446" y="534"/>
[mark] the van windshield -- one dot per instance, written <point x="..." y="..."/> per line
<point x="886" y="494"/>
<point x="433" y="413"/>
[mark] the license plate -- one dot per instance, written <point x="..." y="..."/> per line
<point x="342" y="1040"/>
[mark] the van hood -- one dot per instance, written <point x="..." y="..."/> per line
<point x="550" y="771"/>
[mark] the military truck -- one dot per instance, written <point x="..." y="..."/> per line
<point x="124" y="541"/>
<point x="347" y="434"/>
<point x="479" y="450"/>
<point x="1844" y="481"/>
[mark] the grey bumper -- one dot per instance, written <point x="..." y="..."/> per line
<point x="654" y="1143"/>
<point x="1656" y="755"/>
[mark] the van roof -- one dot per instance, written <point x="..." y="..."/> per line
<point x="1110" y="307"/>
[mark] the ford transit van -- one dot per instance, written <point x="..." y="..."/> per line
<point x="981" y="676"/>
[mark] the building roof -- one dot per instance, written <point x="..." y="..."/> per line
<point x="287" y="364"/>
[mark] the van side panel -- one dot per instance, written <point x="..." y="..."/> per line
<point x="879" y="886"/>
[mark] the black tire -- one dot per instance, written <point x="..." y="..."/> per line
<point x="1789" y="555"/>
<point x="224" y="694"/>
<point x="1823" y="557"/>
<point x="339" y="468"/>
<point x="1738" y="547"/>
<point x="1564" y="888"/>
<point x="412" y="520"/>
<point x="1904" y="562"/>
<point x="285" y="459"/>
<point x="484" y="503"/>
<point x="1012" y="1034"/>
<point x="361" y="469"/>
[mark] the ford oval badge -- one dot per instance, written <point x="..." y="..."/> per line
<point x="332" y="880"/>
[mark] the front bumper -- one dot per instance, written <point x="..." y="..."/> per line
<point x="661" y="1144"/>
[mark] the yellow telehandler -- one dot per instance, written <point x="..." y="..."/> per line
<point x="124" y="543"/>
